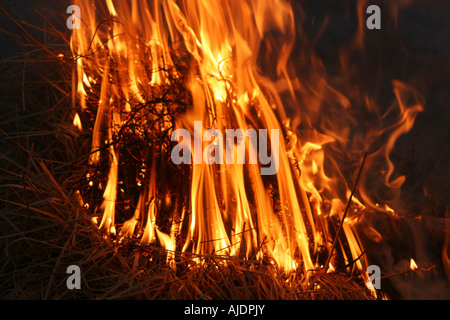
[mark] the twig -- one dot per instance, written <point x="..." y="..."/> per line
<point x="407" y="271"/>
<point x="345" y="212"/>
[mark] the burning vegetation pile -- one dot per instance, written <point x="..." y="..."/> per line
<point x="148" y="212"/>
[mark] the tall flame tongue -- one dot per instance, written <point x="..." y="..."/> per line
<point x="232" y="209"/>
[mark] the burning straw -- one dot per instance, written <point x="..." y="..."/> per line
<point x="99" y="190"/>
<point x="47" y="225"/>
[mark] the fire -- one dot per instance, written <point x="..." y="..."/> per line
<point x="142" y="48"/>
<point x="77" y="122"/>
<point x="413" y="265"/>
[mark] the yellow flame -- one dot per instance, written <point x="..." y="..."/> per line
<point x="413" y="265"/>
<point x="77" y="122"/>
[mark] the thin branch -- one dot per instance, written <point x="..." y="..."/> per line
<point x="346" y="210"/>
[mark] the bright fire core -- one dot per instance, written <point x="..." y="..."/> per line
<point x="242" y="70"/>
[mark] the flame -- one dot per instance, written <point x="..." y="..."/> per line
<point x="77" y="122"/>
<point x="413" y="265"/>
<point x="140" y="47"/>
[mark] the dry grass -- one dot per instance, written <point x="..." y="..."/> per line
<point x="45" y="230"/>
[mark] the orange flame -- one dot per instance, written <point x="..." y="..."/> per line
<point x="231" y="208"/>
